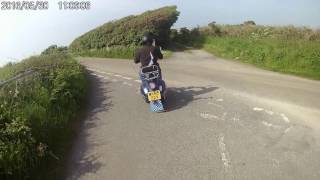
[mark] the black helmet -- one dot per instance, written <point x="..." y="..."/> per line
<point x="147" y="38"/>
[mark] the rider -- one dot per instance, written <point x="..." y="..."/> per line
<point x="149" y="53"/>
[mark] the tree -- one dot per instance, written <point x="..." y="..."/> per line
<point x="174" y="35"/>
<point x="249" y="23"/>
<point x="54" y="49"/>
<point x="214" y="29"/>
<point x="212" y="24"/>
<point x="195" y="32"/>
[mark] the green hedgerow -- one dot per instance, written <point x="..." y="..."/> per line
<point x="34" y="114"/>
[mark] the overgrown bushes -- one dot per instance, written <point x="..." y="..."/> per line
<point x="113" y="52"/>
<point x="185" y="37"/>
<point x="54" y="49"/>
<point x="128" y="31"/>
<point x="34" y="114"/>
<point x="249" y="30"/>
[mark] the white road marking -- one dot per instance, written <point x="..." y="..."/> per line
<point x="236" y="119"/>
<point x="139" y="81"/>
<point x="271" y="125"/>
<point x="126" y="83"/>
<point x="269" y="112"/>
<point x="224" y="116"/>
<point x="90" y="69"/>
<point x="265" y="110"/>
<point x="127" y="78"/>
<point x="258" y="109"/>
<point x="220" y="100"/>
<point x="275" y="163"/>
<point x="214" y="104"/>
<point x="224" y="153"/>
<point x="95" y="70"/>
<point x="287" y="130"/>
<point x="208" y="116"/>
<point x="113" y="80"/>
<point x="285" y="118"/>
<point x="266" y="123"/>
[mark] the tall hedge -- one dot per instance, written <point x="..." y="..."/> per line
<point x="128" y="31"/>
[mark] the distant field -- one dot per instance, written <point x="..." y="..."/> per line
<point x="287" y="49"/>
<point x="288" y="56"/>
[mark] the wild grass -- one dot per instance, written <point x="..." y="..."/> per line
<point x="167" y="54"/>
<point x="258" y="31"/>
<point x="298" y="57"/>
<point x="35" y="112"/>
<point x="119" y="52"/>
<point x="287" y="49"/>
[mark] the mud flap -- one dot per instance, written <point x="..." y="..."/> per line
<point x="156" y="106"/>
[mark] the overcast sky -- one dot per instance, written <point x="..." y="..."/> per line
<point x="24" y="33"/>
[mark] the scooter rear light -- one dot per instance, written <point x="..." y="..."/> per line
<point x="145" y="90"/>
<point x="152" y="85"/>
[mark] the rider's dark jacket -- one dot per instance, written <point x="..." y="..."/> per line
<point x="143" y="56"/>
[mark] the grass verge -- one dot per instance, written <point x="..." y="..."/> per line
<point x="296" y="57"/>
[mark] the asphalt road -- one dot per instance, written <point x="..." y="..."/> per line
<point x="224" y="120"/>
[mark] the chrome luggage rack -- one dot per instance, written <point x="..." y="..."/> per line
<point x="150" y="72"/>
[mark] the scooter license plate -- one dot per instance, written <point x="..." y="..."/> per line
<point x="154" y="95"/>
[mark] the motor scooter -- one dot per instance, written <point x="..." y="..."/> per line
<point x="153" y="88"/>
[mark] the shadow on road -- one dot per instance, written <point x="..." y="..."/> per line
<point x="180" y="97"/>
<point x="80" y="162"/>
